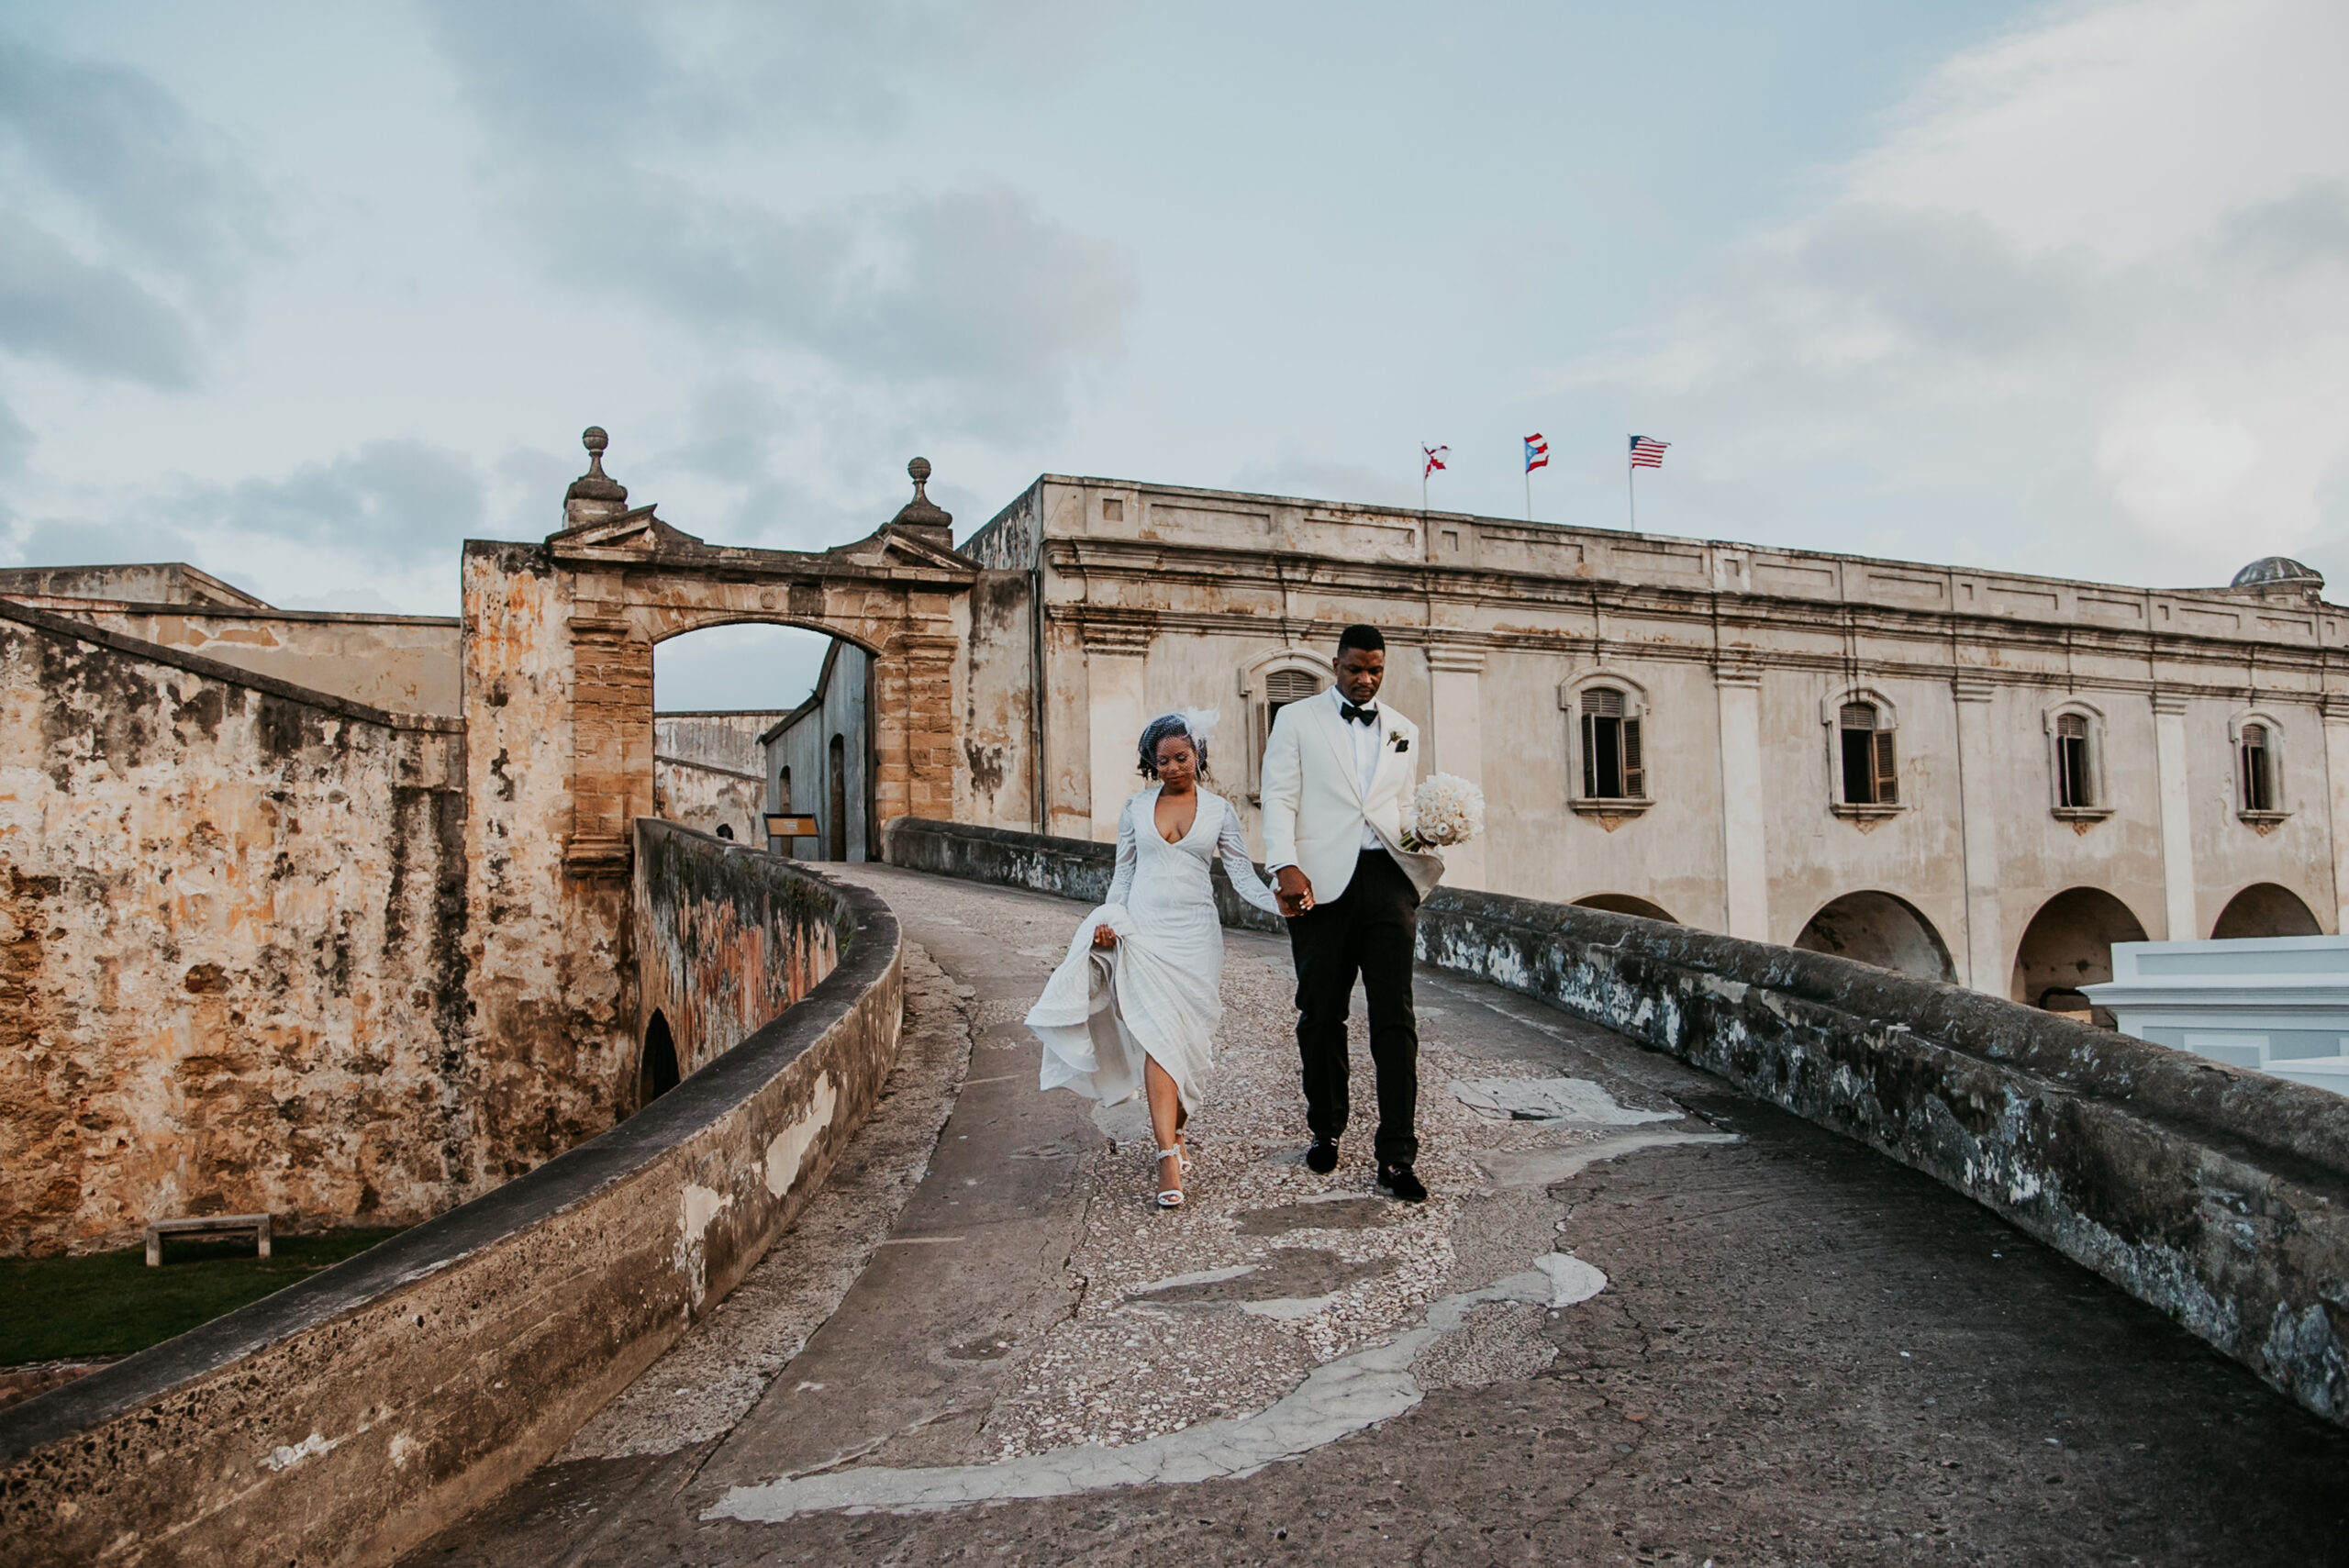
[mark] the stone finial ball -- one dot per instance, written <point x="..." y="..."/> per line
<point x="593" y="438"/>
<point x="919" y="469"/>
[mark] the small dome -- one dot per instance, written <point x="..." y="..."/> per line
<point x="2277" y="569"/>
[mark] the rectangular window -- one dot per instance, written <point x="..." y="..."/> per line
<point x="1871" y="774"/>
<point x="2074" y="788"/>
<point x="1612" y="768"/>
<point x="2258" y="775"/>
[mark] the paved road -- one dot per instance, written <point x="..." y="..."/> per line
<point x="1658" y="1324"/>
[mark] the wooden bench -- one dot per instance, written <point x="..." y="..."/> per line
<point x="208" y="1225"/>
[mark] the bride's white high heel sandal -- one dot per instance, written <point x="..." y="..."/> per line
<point x="1172" y="1197"/>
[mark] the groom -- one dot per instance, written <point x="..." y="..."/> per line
<point x="1337" y="771"/>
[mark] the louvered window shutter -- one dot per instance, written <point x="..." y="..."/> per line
<point x="1635" y="777"/>
<point x="1887" y="772"/>
<point x="1289" y="686"/>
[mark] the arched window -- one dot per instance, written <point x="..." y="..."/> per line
<point x="1270" y="681"/>
<point x="2258" y="760"/>
<point x="1612" y="766"/>
<point x="1283" y="687"/>
<point x="783" y="790"/>
<point x="1870" y="770"/>
<point x="2260" y="796"/>
<point x="2076" y="792"/>
<point x="1608" y="771"/>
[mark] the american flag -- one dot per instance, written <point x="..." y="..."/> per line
<point x="1537" y="452"/>
<point x="1647" y="451"/>
<point x="1435" y="458"/>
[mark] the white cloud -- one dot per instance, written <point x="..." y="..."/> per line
<point x="2084" y="308"/>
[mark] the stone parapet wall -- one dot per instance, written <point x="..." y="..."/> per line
<point x="1067" y="868"/>
<point x="2218" y="1195"/>
<point x="727" y="937"/>
<point x="232" y="921"/>
<point x="350" y="1416"/>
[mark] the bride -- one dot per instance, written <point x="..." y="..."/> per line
<point x="1135" y="1004"/>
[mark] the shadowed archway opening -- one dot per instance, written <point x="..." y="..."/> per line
<point x="2263" y="910"/>
<point x="718" y="693"/>
<point x="2069" y="944"/>
<point x="1625" y="904"/>
<point x="656" y="1069"/>
<point x="1882" y="930"/>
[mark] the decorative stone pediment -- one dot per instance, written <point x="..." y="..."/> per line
<point x="632" y="535"/>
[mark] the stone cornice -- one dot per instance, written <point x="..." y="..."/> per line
<point x="1104" y="562"/>
<point x="1135" y="637"/>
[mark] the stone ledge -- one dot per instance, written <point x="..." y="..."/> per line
<point x="230" y="674"/>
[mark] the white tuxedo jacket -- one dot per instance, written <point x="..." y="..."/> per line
<point x="1313" y="801"/>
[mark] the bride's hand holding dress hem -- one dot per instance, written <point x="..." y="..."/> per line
<point x="1158" y="992"/>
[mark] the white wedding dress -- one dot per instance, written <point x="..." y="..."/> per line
<point x="1159" y="991"/>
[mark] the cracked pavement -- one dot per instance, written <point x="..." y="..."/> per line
<point x="1724" y="1335"/>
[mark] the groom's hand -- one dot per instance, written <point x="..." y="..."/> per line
<point x="1295" y="893"/>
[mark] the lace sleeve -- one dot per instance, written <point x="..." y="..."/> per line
<point x="1122" y="883"/>
<point x="1234" y="850"/>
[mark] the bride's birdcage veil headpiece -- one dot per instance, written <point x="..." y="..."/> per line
<point x="1197" y="724"/>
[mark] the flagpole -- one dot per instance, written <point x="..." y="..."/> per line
<point x="1528" y="494"/>
<point x="1632" y="483"/>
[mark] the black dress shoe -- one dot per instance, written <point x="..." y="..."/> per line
<point x="1402" y="1183"/>
<point x="1322" y="1158"/>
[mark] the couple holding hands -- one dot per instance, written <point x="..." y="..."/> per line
<point x="1134" y="1007"/>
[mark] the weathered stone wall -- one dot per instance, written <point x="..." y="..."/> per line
<point x="708" y="771"/>
<point x="231" y="945"/>
<point x="2218" y="1196"/>
<point x="999" y="723"/>
<point x="726" y="939"/>
<point x="406" y="663"/>
<point x="349" y="1417"/>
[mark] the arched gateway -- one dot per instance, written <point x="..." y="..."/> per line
<point x="558" y="700"/>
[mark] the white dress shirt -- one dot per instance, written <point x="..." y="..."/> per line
<point x="1365" y="739"/>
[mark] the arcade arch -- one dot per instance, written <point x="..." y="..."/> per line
<point x="2069" y="944"/>
<point x="1881" y="928"/>
<point x="2264" y="909"/>
<point x="657" y="1065"/>
<point x="1626" y="904"/>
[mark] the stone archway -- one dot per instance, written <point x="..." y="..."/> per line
<point x="2266" y="909"/>
<point x="2069" y="944"/>
<point x="1882" y="929"/>
<point x="558" y="697"/>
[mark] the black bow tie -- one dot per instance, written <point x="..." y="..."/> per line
<point x="1353" y="715"/>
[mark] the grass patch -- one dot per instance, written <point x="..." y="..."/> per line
<point x="110" y="1304"/>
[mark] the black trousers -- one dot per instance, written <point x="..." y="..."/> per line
<point x="1368" y="931"/>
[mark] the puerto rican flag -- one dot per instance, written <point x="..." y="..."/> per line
<point x="1435" y="458"/>
<point x="1537" y="452"/>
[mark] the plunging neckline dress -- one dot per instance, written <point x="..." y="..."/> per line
<point x="1159" y="993"/>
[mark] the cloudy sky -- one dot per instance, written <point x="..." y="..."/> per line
<point x="306" y="295"/>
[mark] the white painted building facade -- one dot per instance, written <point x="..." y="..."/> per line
<point x="1985" y="775"/>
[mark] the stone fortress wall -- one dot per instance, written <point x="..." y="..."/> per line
<point x="1740" y="665"/>
<point x="233" y="940"/>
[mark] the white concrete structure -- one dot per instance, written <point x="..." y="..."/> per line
<point x="2280" y="1005"/>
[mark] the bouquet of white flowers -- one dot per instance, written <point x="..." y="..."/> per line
<point x="1445" y="810"/>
